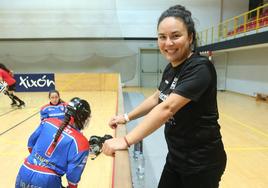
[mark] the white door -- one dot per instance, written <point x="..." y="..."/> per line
<point x="152" y="65"/>
<point x="149" y="67"/>
<point x="162" y="63"/>
<point x="220" y="63"/>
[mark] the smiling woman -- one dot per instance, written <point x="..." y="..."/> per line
<point x="186" y="103"/>
<point x="174" y="41"/>
<point x="176" y="36"/>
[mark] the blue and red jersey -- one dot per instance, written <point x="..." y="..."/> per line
<point x="53" y="111"/>
<point x="69" y="156"/>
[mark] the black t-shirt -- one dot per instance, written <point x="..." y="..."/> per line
<point x="193" y="133"/>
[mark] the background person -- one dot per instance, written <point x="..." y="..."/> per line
<point x="7" y="76"/>
<point x="55" y="108"/>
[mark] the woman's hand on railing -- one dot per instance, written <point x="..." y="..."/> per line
<point x="112" y="145"/>
<point x="114" y="121"/>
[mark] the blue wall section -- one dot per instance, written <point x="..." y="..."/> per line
<point x="154" y="147"/>
<point x="35" y="82"/>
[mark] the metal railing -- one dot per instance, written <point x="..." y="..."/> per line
<point x="239" y="25"/>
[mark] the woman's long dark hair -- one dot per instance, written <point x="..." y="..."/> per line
<point x="79" y="109"/>
<point x="58" y="93"/>
<point x="65" y="122"/>
<point x="2" y="66"/>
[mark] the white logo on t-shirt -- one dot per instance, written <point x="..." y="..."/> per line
<point x="174" y="83"/>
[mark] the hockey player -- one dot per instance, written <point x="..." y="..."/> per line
<point x="57" y="148"/>
<point x="7" y="76"/>
<point x="55" y="108"/>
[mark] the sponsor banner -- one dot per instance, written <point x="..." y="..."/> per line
<point x="41" y="82"/>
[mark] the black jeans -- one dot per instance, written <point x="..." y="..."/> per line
<point x="204" y="179"/>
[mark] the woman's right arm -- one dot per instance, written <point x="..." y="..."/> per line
<point x="34" y="136"/>
<point x="76" y="165"/>
<point x="146" y="106"/>
<point x="43" y="114"/>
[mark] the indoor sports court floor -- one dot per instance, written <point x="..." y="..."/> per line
<point x="244" y="126"/>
